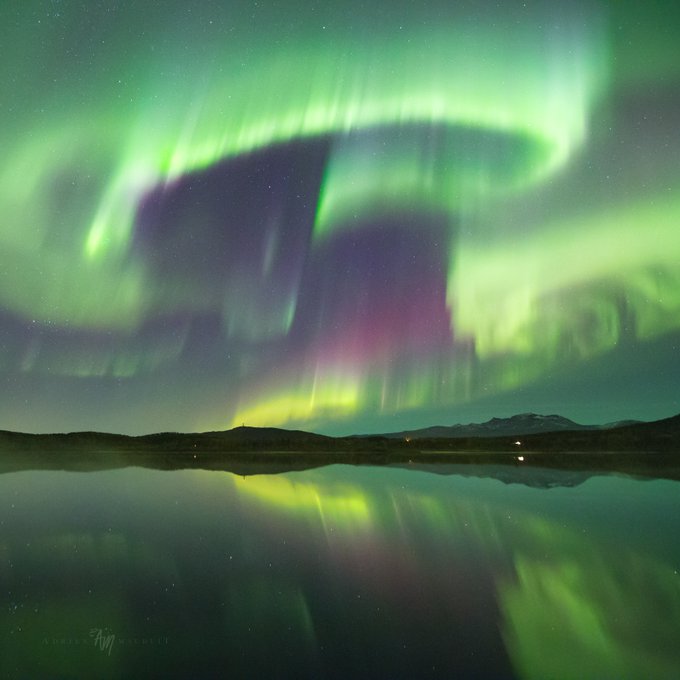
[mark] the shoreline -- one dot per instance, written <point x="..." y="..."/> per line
<point x="649" y="464"/>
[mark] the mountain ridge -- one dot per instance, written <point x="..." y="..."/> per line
<point x="537" y="433"/>
<point x="519" y="424"/>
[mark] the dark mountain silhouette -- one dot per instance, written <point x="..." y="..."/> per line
<point x="522" y="424"/>
<point x="525" y="432"/>
<point x="643" y="449"/>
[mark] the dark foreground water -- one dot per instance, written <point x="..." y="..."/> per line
<point x="339" y="572"/>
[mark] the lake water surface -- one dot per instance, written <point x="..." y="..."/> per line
<point x="339" y="572"/>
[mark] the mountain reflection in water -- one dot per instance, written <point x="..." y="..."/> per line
<point x="336" y="572"/>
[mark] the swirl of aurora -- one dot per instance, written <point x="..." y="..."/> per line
<point x="291" y="214"/>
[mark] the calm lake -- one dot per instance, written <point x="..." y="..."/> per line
<point x="339" y="572"/>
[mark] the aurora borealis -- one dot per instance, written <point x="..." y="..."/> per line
<point x="341" y="217"/>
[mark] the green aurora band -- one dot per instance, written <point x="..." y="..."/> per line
<point x="114" y="153"/>
<point x="463" y="115"/>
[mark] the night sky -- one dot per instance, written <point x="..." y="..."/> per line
<point x="346" y="216"/>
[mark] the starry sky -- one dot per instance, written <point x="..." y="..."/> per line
<point x="342" y="217"/>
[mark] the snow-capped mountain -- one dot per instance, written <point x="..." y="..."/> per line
<point x="524" y="423"/>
